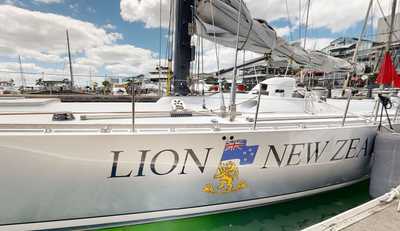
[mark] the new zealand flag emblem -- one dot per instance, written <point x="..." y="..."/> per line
<point x="238" y="150"/>
<point x="226" y="179"/>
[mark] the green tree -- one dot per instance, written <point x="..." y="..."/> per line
<point x="39" y="82"/>
<point x="106" y="86"/>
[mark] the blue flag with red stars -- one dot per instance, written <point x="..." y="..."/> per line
<point x="238" y="150"/>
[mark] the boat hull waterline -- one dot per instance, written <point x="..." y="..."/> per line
<point x="76" y="176"/>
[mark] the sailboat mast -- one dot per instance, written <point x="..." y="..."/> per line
<point x="21" y="72"/>
<point x="393" y="17"/>
<point x="183" y="50"/>
<point x="70" y="62"/>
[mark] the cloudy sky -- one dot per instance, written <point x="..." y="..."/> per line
<point x="121" y="37"/>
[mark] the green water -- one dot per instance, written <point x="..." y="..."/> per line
<point x="288" y="216"/>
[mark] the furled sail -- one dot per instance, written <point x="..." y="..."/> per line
<point x="218" y="19"/>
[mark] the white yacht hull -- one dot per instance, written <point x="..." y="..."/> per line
<point x="88" y="180"/>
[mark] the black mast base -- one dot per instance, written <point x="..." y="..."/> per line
<point x="184" y="10"/>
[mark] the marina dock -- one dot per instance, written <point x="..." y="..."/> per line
<point x="82" y="98"/>
<point x="380" y="214"/>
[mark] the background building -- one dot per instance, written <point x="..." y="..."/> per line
<point x="344" y="48"/>
<point x="382" y="32"/>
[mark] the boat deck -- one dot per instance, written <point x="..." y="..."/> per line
<point x="162" y="122"/>
<point x="33" y="115"/>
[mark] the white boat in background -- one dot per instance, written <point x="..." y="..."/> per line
<point x="7" y="87"/>
<point x="279" y="86"/>
<point x="119" y="89"/>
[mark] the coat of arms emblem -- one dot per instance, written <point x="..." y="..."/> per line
<point x="226" y="178"/>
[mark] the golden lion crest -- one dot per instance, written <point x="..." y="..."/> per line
<point x="227" y="176"/>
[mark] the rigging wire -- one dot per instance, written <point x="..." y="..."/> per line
<point x="289" y="21"/>
<point x="234" y="79"/>
<point x="223" y="107"/>
<point x="169" y="48"/>
<point x="385" y="18"/>
<point x="170" y="44"/>
<point x="299" y="20"/>
<point x="398" y="7"/>
<point x="244" y="61"/>
<point x="202" y="55"/>
<point x="198" y="64"/>
<point x="160" y="53"/>
<point x="372" y="18"/>
<point x="202" y="70"/>
<point x="66" y="65"/>
<point x="306" y="27"/>
<point x="194" y="63"/>
<point x="198" y="54"/>
<point x="302" y="14"/>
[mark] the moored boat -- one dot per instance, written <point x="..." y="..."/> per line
<point x="88" y="167"/>
<point x="95" y="165"/>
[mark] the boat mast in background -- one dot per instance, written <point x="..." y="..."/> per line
<point x="70" y="62"/>
<point x="23" y="82"/>
<point x="183" y="49"/>
<point x="389" y="43"/>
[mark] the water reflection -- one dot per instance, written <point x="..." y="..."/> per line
<point x="288" y="216"/>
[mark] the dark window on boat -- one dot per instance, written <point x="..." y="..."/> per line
<point x="264" y="89"/>
<point x="279" y="91"/>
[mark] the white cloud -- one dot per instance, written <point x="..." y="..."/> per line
<point x="12" y="2"/>
<point x="42" y="36"/>
<point x="115" y="36"/>
<point x="282" y="31"/>
<point x="335" y="16"/>
<point x="317" y="43"/>
<point x="109" y="26"/>
<point x="41" y="40"/>
<point x="226" y="56"/>
<point x="123" y="59"/>
<point x="48" y="1"/>
<point x="146" y="11"/>
<point x="91" y="10"/>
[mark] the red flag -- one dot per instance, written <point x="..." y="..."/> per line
<point x="388" y="73"/>
<point x="396" y="82"/>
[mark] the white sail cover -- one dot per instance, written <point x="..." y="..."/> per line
<point x="218" y="19"/>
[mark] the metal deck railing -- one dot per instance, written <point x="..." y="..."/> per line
<point x="180" y="128"/>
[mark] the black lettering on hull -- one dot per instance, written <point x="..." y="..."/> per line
<point x="278" y="159"/>
<point x="317" y="154"/>
<point x="115" y="166"/>
<point x="154" y="160"/>
<point x="342" y="144"/>
<point x="190" y="152"/>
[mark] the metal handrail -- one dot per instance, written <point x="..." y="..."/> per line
<point x="50" y="129"/>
